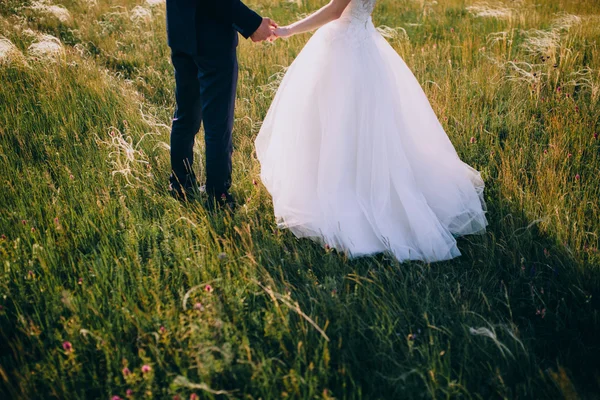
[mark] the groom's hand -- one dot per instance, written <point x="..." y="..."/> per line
<point x="264" y="31"/>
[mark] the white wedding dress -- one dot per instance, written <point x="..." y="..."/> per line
<point x="354" y="156"/>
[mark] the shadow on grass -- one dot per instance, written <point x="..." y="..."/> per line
<point x="515" y="316"/>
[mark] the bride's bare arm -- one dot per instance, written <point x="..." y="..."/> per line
<point x="328" y="13"/>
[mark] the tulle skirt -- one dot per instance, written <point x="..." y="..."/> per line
<point x="355" y="158"/>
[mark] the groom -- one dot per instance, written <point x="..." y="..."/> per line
<point x="203" y="36"/>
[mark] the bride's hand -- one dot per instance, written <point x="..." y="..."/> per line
<point x="282" y="32"/>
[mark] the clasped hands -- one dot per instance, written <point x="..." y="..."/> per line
<point x="269" y="31"/>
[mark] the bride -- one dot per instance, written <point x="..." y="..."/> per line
<point x="352" y="153"/>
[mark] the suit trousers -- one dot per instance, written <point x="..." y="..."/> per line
<point x="205" y="94"/>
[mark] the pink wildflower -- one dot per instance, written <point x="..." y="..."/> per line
<point x="67" y="346"/>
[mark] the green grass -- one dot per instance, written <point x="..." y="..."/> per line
<point x="95" y="253"/>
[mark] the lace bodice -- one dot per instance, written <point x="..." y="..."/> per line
<point x="359" y="10"/>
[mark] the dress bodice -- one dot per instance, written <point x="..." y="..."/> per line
<point x="359" y="10"/>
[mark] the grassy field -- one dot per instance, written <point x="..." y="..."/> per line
<point x="109" y="287"/>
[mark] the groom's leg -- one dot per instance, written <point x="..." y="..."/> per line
<point x="186" y="121"/>
<point x="218" y="82"/>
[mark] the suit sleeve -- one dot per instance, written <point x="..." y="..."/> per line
<point x="236" y="13"/>
<point x="245" y="20"/>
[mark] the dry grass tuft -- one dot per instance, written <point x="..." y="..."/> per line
<point x="545" y="42"/>
<point x="398" y="33"/>
<point x="8" y="51"/>
<point x="487" y="10"/>
<point x="59" y="12"/>
<point x="46" y="48"/>
<point x="154" y="3"/>
<point x="140" y="14"/>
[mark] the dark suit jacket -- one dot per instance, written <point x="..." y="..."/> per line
<point x="208" y="27"/>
